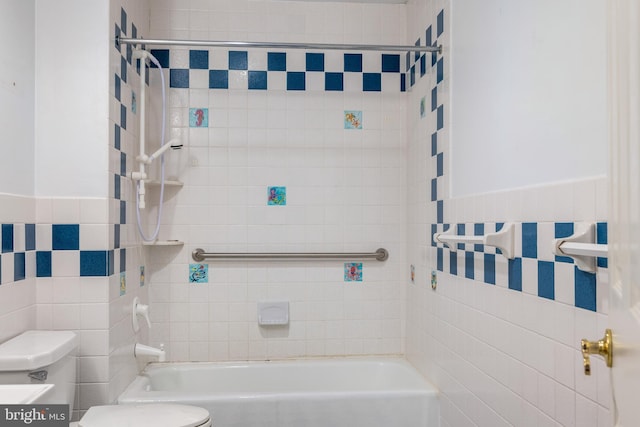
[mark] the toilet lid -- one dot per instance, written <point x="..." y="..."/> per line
<point x="153" y="414"/>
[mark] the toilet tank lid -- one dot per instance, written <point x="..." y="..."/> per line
<point x="36" y="349"/>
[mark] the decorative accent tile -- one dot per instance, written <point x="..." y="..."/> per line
<point x="198" y="117"/>
<point x="353" y="272"/>
<point x="198" y="273"/>
<point x="412" y="273"/>
<point x="141" y="275"/>
<point x="423" y="107"/>
<point x="353" y="119"/>
<point x="277" y="196"/>
<point x="123" y="283"/>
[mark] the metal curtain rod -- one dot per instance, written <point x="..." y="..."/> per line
<point x="200" y="255"/>
<point x="275" y="45"/>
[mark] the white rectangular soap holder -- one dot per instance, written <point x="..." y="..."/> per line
<point x="273" y="313"/>
<point x="503" y="239"/>
<point x="581" y="247"/>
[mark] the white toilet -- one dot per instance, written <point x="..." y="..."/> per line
<point x="37" y="357"/>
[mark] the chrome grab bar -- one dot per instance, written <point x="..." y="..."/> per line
<point x="200" y="255"/>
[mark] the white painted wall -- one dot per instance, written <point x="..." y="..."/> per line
<point x="72" y="104"/>
<point x="522" y="93"/>
<point x="17" y="82"/>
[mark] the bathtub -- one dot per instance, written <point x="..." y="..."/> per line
<point x="350" y="392"/>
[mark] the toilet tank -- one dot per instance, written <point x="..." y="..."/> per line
<point x="42" y="357"/>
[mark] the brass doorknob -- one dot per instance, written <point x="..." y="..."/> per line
<point x="603" y="347"/>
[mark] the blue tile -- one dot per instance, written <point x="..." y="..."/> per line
<point x="129" y="54"/>
<point x="428" y="36"/>
<point x="563" y="229"/>
<point x="123" y="163"/>
<point x="116" y="236"/>
<point x="602" y="239"/>
<point x="434" y="57"/>
<point x="460" y="231"/>
<point x="118" y="87"/>
<point x="353" y="63"/>
<point x="434" y="189"/>
<point x="423" y="65"/>
<point x="199" y="59"/>
<point x="65" y="237"/>
<point x="440" y="260"/>
<point x="407" y="61"/>
<point x="529" y="240"/>
<point x="30" y="237"/>
<point x="515" y="274"/>
<point x="7" y="238"/>
<point x="315" y="61"/>
<point x="123" y="260"/>
<point x="440" y="164"/>
<point x="134" y="31"/>
<point x="123" y="117"/>
<point x="416" y="54"/>
<point x="371" y="82"/>
<point x="123" y="212"/>
<point x="434" y="144"/>
<point x="43" y="264"/>
<point x="162" y="55"/>
<point x="123" y="21"/>
<point x="19" y="268"/>
<point x="440" y="70"/>
<point x="258" y="80"/>
<point x="499" y="226"/>
<point x="585" y="289"/>
<point x="295" y="80"/>
<point x="469" y="265"/>
<point x="403" y="82"/>
<point x="390" y="63"/>
<point x="440" y="23"/>
<point x="238" y="60"/>
<point x="218" y="79"/>
<point x="146" y="75"/>
<point x="179" y="78"/>
<point x="110" y="263"/>
<point x="478" y="230"/>
<point x="276" y="61"/>
<point x="116" y="187"/>
<point x="123" y="69"/>
<point x="453" y="263"/>
<point x="440" y="211"/>
<point x="93" y="263"/>
<point x="434" y="98"/>
<point x="116" y="136"/>
<point x="412" y="75"/>
<point x="334" y="82"/>
<point x="434" y="230"/>
<point x="440" y="120"/>
<point x="546" y="281"/>
<point x="490" y="269"/>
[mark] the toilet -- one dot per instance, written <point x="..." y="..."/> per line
<point x="49" y="357"/>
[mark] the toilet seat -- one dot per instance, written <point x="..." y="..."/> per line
<point x="152" y="414"/>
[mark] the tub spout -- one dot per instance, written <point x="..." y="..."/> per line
<point x="145" y="350"/>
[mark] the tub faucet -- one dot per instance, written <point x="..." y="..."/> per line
<point x="145" y="350"/>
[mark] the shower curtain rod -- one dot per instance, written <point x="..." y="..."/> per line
<point x="278" y="45"/>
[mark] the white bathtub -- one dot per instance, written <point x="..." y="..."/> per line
<point x="350" y="392"/>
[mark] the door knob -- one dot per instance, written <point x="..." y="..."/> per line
<point x="603" y="347"/>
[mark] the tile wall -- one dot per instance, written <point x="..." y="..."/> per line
<point x="499" y="338"/>
<point x="276" y="118"/>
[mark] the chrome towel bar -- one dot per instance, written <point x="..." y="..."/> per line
<point x="200" y="255"/>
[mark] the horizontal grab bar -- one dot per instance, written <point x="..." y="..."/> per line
<point x="200" y="255"/>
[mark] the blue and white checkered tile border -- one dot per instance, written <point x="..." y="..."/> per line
<point x="55" y="250"/>
<point x="533" y="269"/>
<point x="291" y="71"/>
